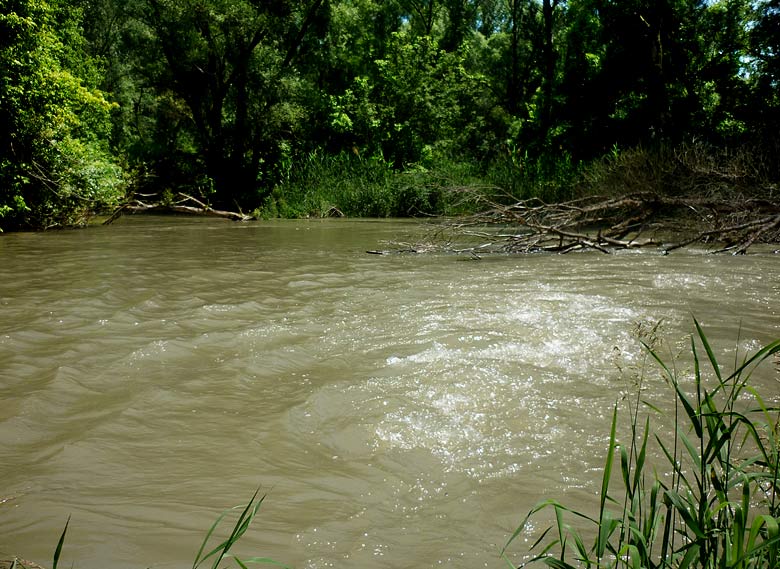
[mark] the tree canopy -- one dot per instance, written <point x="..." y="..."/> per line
<point x="234" y="102"/>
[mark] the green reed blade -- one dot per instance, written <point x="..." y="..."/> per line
<point x="693" y="416"/>
<point x="508" y="561"/>
<point x="691" y="553"/>
<point x="521" y="527"/>
<point x="708" y="349"/>
<point x="634" y="558"/>
<point x="758" y="357"/>
<point x="718" y="445"/>
<point x="58" y="550"/>
<point x="198" y="558"/>
<point x="607" y="528"/>
<point x="561" y="530"/>
<point x="244" y="520"/>
<point x="769" y="525"/>
<point x="608" y="464"/>
<point x="673" y="461"/>
<point x="637" y="538"/>
<point x="239" y="528"/>
<point x="540" y="539"/>
<point x="557" y="563"/>
<point x="641" y="457"/>
<point x="581" y="549"/>
<point x="693" y="452"/>
<point x="624" y="469"/>
<point x="687" y="514"/>
<point x="265" y="560"/>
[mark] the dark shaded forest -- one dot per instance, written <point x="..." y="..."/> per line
<point x="299" y="108"/>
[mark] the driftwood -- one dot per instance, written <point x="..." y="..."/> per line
<point x="17" y="563"/>
<point x="182" y="203"/>
<point x="607" y="224"/>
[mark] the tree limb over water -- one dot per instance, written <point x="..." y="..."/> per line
<point x="607" y="224"/>
<point x="181" y="203"/>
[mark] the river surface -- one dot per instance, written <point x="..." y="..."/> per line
<point x="399" y="411"/>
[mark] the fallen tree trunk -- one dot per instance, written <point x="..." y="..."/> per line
<point x="185" y="204"/>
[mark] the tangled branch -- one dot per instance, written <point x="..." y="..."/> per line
<point x="606" y="224"/>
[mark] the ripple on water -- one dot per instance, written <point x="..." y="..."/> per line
<point x="401" y="410"/>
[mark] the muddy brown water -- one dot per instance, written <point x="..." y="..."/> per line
<point x="399" y="411"/>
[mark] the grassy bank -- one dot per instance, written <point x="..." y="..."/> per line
<point x="320" y="184"/>
<point x="347" y="184"/>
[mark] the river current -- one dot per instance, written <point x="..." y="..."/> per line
<point x="398" y="410"/>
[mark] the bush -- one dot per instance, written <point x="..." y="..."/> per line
<point x="692" y="169"/>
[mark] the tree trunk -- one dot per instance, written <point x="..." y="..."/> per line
<point x="548" y="8"/>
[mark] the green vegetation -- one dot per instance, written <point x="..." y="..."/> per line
<point x="709" y="502"/>
<point x="369" y="107"/>
<point x="55" y="161"/>
<point x="212" y="555"/>
<point x="222" y="550"/>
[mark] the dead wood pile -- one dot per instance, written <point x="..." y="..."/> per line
<point x="607" y="224"/>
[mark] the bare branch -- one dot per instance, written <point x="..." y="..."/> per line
<point x="607" y="224"/>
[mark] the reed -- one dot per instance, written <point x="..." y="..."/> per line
<point x="711" y="501"/>
<point x="319" y="184"/>
<point x="212" y="555"/>
<point x="58" y="549"/>
<point x="222" y="550"/>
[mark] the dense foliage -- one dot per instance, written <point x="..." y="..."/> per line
<point x="55" y="162"/>
<point x="239" y="102"/>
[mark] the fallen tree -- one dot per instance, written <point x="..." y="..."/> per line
<point x="606" y="224"/>
<point x="667" y="197"/>
<point x="181" y="203"/>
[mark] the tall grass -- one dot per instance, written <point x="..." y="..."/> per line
<point x="324" y="185"/>
<point x="549" y="177"/>
<point x="709" y="501"/>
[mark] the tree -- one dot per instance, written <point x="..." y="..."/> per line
<point x="765" y="54"/>
<point x="55" y="167"/>
<point x="461" y="20"/>
<point x="231" y="64"/>
<point x="581" y="109"/>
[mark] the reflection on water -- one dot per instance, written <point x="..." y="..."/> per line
<point x="399" y="410"/>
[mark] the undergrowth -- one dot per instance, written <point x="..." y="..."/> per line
<point x="351" y="185"/>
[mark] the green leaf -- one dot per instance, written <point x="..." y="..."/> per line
<point x="58" y="550"/>
<point x="690" y="519"/>
<point x="708" y="349"/>
<point x="607" y="474"/>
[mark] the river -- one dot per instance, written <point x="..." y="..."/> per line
<point x="398" y="411"/>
